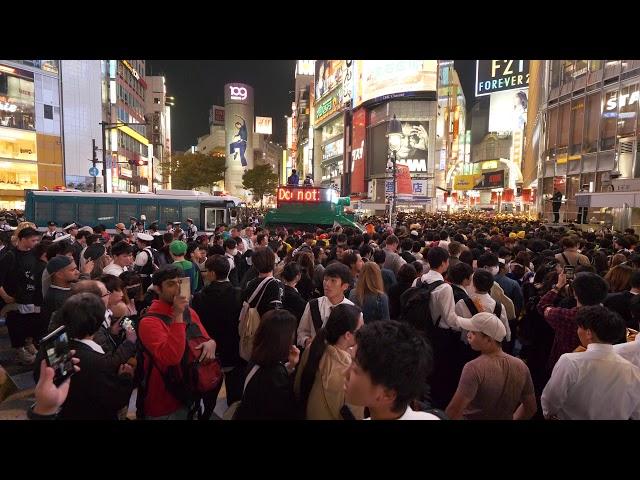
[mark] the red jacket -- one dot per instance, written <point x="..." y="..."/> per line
<point x="166" y="344"/>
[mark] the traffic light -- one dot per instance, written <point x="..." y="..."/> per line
<point x="138" y="162"/>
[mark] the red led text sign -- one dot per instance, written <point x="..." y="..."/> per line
<point x="299" y="195"/>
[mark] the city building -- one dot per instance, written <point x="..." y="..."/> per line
<point x="83" y="95"/>
<point x="493" y="178"/>
<point x="301" y="136"/>
<point x="158" y="117"/>
<point x="129" y="152"/>
<point x="583" y="133"/>
<point x="31" y="134"/>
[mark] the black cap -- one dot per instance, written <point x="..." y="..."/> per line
<point x="121" y="248"/>
<point x="93" y="252"/>
<point x="52" y="224"/>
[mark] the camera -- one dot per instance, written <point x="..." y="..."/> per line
<point x="126" y="323"/>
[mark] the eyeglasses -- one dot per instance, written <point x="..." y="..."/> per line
<point x="106" y="294"/>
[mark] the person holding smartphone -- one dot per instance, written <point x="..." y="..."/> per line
<point x="164" y="343"/>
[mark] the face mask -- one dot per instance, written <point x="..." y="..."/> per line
<point x="494" y="270"/>
<point x="249" y="261"/>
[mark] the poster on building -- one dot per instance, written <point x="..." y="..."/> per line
<point x="17" y="101"/>
<point x="331" y="74"/>
<point x="403" y="179"/>
<point x="264" y="125"/>
<point x="383" y="79"/>
<point x="508" y="111"/>
<point x="414" y="149"/>
<point x="499" y="75"/>
<point x="489" y="180"/>
<point x="238" y="105"/>
<point x="465" y="182"/>
<point x="358" y="161"/>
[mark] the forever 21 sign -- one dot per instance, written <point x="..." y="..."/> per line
<point x="500" y="75"/>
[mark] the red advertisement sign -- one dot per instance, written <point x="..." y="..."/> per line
<point x="358" y="136"/>
<point x="403" y="178"/>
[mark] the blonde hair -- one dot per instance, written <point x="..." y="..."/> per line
<point x="21" y="226"/>
<point x="369" y="281"/>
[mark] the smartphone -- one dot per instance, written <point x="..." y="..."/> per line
<point x="185" y="287"/>
<point x="57" y="356"/>
<point x="569" y="271"/>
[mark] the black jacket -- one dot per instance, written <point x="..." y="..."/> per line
<point x="118" y="349"/>
<point x="268" y="396"/>
<point x="272" y="295"/>
<point x="218" y="305"/>
<point x="305" y="286"/>
<point x="395" y="291"/>
<point x="408" y="257"/>
<point x="621" y="303"/>
<point x="96" y="392"/>
<point x="293" y="302"/>
<point x="249" y="275"/>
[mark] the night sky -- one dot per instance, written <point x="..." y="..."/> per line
<point x="198" y="84"/>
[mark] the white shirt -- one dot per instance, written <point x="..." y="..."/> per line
<point x="306" y="328"/>
<point x="143" y="257"/>
<point x="441" y="304"/>
<point x="488" y="304"/>
<point x="596" y="384"/>
<point x="93" y="345"/>
<point x="411" y="414"/>
<point x="231" y="260"/>
<point x="113" y="269"/>
<point x="629" y="351"/>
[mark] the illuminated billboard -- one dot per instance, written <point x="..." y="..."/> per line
<point x="358" y="138"/>
<point x="386" y="79"/>
<point x="264" y="125"/>
<point x="500" y="75"/>
<point x="508" y="111"/>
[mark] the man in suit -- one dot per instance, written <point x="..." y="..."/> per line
<point x="556" y="203"/>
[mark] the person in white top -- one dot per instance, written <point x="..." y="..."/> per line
<point x="388" y="372"/>
<point x="597" y="384"/>
<point x="479" y="294"/>
<point x="122" y="259"/>
<point x="629" y="351"/>
<point x="336" y="280"/>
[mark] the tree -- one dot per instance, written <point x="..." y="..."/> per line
<point x="195" y="170"/>
<point x="260" y="180"/>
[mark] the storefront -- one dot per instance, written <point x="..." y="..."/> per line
<point x="18" y="141"/>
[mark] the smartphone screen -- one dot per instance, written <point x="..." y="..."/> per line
<point x="57" y="356"/>
<point x="569" y="270"/>
<point x="185" y="287"/>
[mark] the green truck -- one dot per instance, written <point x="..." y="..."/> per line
<point x="310" y="207"/>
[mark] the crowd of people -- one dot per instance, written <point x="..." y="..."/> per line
<point x="457" y="316"/>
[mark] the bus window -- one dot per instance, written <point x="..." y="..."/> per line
<point x="43" y="211"/>
<point x="106" y="212"/>
<point x="213" y="217"/>
<point x="234" y="213"/>
<point x="86" y="212"/>
<point x="192" y="211"/>
<point x="151" y="212"/>
<point x="126" y="211"/>
<point x="168" y="214"/>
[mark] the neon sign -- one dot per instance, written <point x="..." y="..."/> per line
<point x="301" y="195"/>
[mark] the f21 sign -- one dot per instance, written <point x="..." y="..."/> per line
<point x="501" y="75"/>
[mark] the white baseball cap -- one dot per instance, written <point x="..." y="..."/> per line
<point x="145" y="237"/>
<point x="62" y="238"/>
<point x="486" y="323"/>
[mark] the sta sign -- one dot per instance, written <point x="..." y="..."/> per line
<point x="612" y="103"/>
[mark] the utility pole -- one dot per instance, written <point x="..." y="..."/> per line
<point x="94" y="160"/>
<point x="104" y="156"/>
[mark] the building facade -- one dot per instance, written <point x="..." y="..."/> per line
<point x="31" y="133"/>
<point x="158" y="117"/>
<point x="129" y="152"/>
<point x="584" y="128"/>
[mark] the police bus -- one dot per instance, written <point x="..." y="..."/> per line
<point x="88" y="208"/>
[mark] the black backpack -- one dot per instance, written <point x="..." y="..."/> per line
<point x="414" y="307"/>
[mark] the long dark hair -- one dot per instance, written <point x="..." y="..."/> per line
<point x="344" y="318"/>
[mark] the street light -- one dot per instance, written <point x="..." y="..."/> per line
<point x="394" y="135"/>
